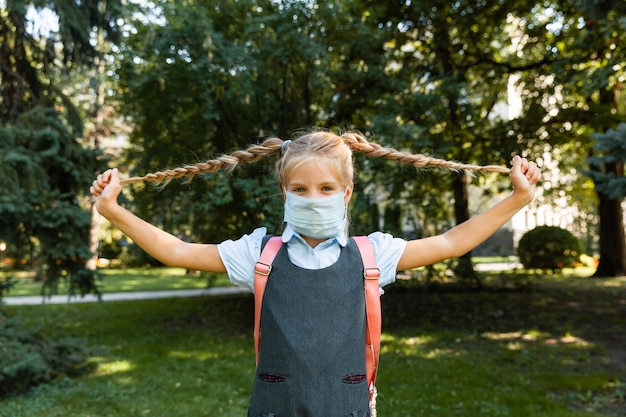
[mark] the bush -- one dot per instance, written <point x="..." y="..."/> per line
<point x="549" y="248"/>
<point x="29" y="359"/>
<point x="110" y="249"/>
<point x="6" y="283"/>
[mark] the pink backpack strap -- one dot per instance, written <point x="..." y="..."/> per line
<point x="262" y="270"/>
<point x="371" y="273"/>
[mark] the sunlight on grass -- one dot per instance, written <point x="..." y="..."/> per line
<point x="199" y="355"/>
<point x="113" y="367"/>
<point x="436" y="353"/>
<point x="567" y="340"/>
<point x="427" y="346"/>
<point x="614" y="282"/>
<point x="515" y="346"/>
<point x="409" y="345"/>
<point x="530" y="335"/>
<point x="534" y="336"/>
<point x="502" y="336"/>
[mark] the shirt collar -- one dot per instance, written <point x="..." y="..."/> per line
<point x="289" y="233"/>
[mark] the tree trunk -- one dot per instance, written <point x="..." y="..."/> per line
<point x="94" y="242"/>
<point x="465" y="268"/>
<point x="612" y="246"/>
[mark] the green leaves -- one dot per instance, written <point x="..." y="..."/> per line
<point x="435" y="77"/>
<point x="609" y="157"/>
<point x="42" y="169"/>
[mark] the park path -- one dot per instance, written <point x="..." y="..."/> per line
<point x="151" y="295"/>
<point x="122" y="296"/>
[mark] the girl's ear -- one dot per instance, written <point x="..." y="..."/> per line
<point x="348" y="194"/>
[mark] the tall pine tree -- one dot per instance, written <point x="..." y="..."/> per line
<point x="43" y="166"/>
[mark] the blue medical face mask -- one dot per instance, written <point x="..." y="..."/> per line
<point x="318" y="218"/>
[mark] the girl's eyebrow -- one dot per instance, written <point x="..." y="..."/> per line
<point x="323" y="182"/>
<point x="317" y="185"/>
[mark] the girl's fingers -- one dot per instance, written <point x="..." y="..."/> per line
<point x="527" y="168"/>
<point x="99" y="184"/>
<point x="533" y="173"/>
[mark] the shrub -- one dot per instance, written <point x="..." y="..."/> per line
<point x="110" y="249"/>
<point x="28" y="358"/>
<point x="549" y="248"/>
<point x="6" y="283"/>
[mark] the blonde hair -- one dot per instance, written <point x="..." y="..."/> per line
<point x="309" y="145"/>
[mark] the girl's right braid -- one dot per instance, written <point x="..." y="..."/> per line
<point x="228" y="162"/>
<point x="359" y="143"/>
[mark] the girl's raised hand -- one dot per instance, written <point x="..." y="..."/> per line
<point x="524" y="176"/>
<point x="106" y="188"/>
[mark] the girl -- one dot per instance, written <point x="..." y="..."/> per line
<point x="316" y="287"/>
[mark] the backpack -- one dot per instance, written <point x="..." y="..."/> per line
<point x="371" y="273"/>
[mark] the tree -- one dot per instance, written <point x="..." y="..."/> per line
<point x="610" y="149"/>
<point x="217" y="77"/>
<point x="189" y="87"/>
<point x="428" y="77"/>
<point x="41" y="167"/>
<point x="606" y="36"/>
<point x="609" y="157"/>
<point x="451" y="65"/>
<point x="576" y="95"/>
<point x="45" y="168"/>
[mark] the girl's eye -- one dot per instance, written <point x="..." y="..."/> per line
<point x="298" y="190"/>
<point x="328" y="188"/>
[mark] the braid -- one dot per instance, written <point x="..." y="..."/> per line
<point x="227" y="162"/>
<point x="355" y="141"/>
<point x="358" y="143"/>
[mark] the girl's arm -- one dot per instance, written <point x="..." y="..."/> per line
<point x="161" y="245"/>
<point x="466" y="236"/>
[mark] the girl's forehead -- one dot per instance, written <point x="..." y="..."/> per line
<point x="314" y="169"/>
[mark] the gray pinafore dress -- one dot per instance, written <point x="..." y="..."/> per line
<point x="311" y="361"/>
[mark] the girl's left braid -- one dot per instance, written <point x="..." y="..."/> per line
<point x="228" y="162"/>
<point x="359" y="143"/>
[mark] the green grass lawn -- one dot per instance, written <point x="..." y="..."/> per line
<point x="551" y="350"/>
<point x="131" y="279"/>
